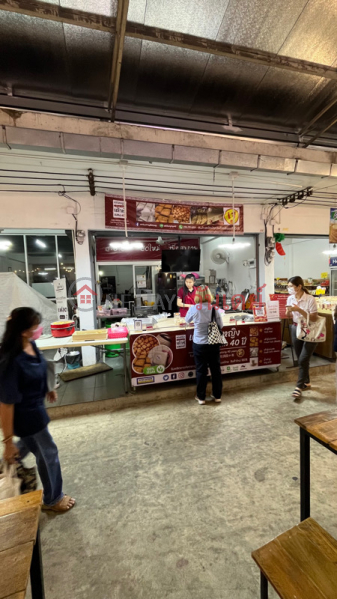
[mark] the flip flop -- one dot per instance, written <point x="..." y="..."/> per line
<point x="297" y="393"/>
<point x="61" y="506"/>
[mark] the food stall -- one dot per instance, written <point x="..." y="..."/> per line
<point x="163" y="351"/>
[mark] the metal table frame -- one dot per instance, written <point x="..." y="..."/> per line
<point x="305" y="469"/>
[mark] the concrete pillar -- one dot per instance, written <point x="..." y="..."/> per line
<point x="266" y="272"/>
<point x="85" y="281"/>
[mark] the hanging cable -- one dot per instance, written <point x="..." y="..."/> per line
<point x="64" y="195"/>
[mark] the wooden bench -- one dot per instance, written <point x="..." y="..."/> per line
<point x="301" y="563"/>
<point x="19" y="546"/>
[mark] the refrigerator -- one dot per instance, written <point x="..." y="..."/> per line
<point x="166" y="291"/>
<point x="333" y="282"/>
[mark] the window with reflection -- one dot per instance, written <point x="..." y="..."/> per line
<point x="12" y="255"/>
<point x="42" y="263"/>
<point x="66" y="258"/>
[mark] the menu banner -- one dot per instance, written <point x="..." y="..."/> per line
<point x="164" y="357"/>
<point x="161" y="215"/>
<point x="151" y="250"/>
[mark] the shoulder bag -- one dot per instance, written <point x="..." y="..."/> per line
<point x="215" y="334"/>
<point x="312" y="332"/>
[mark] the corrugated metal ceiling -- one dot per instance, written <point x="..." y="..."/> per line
<point x="65" y="63"/>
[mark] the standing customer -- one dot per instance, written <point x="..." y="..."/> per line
<point x="186" y="295"/>
<point x="23" y="388"/>
<point x="300" y="304"/>
<point x="205" y="355"/>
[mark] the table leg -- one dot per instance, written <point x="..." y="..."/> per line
<point x="36" y="570"/>
<point x="126" y="386"/>
<point x="263" y="586"/>
<point x="305" y="473"/>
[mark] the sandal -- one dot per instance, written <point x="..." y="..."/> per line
<point x="307" y="385"/>
<point x="64" y="505"/>
<point x="297" y="393"/>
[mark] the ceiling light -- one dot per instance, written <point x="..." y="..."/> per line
<point x="234" y="245"/>
<point x="60" y="255"/>
<point x="100" y="272"/>
<point x="44" y="274"/>
<point x="127" y="245"/>
<point x="53" y="268"/>
<point x="40" y="243"/>
<point x="5" y="245"/>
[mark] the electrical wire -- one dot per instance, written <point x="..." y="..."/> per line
<point x="64" y="195"/>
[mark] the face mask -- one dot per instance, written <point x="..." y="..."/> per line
<point x="37" y="333"/>
<point x="291" y="290"/>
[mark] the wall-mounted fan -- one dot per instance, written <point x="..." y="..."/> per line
<point x="219" y="256"/>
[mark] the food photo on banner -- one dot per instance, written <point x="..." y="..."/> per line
<point x="168" y="356"/>
<point x="156" y="215"/>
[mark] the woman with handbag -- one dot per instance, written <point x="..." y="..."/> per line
<point x="205" y="355"/>
<point x="23" y="388"/>
<point x="301" y="305"/>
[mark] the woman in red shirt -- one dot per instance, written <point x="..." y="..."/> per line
<point x="186" y="295"/>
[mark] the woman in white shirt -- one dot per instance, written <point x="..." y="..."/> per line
<point x="300" y="304"/>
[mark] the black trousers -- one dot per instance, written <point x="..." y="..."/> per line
<point x="207" y="356"/>
<point x="304" y="351"/>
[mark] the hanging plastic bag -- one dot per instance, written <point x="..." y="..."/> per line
<point x="9" y="482"/>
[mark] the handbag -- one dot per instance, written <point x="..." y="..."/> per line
<point x="312" y="332"/>
<point x="9" y="482"/>
<point x="215" y="334"/>
<point x="26" y="476"/>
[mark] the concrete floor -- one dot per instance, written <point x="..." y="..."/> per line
<point x="172" y="498"/>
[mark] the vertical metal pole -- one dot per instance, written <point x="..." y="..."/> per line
<point x="305" y="473"/>
<point x="263" y="586"/>
<point x="36" y="571"/>
<point x="57" y="257"/>
<point x="26" y="259"/>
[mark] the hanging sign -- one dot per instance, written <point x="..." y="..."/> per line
<point x="151" y="250"/>
<point x="333" y="226"/>
<point x="161" y="215"/>
<point x="60" y="286"/>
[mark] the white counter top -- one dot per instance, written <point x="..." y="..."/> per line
<point x="169" y="325"/>
<point x="52" y="343"/>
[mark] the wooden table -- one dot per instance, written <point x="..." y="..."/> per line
<point x="52" y="343"/>
<point x="20" y="546"/>
<point x="322" y="427"/>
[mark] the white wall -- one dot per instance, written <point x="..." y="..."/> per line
<point x="303" y="257"/>
<point x="241" y="276"/>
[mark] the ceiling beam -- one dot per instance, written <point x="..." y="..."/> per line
<point x="318" y="116"/>
<point x="117" y="56"/>
<point x="61" y="14"/>
<point x="52" y="12"/>
<point x="321" y="132"/>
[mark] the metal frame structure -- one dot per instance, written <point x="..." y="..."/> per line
<point x="121" y="28"/>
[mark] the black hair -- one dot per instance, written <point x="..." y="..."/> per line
<point x="297" y="281"/>
<point x="185" y="288"/>
<point x="20" y="320"/>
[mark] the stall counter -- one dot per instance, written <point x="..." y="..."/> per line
<point x="164" y="353"/>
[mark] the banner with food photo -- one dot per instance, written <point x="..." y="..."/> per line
<point x="148" y="215"/>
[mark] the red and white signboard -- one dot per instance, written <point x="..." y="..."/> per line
<point x="164" y="357"/>
<point x="151" y="249"/>
<point x="161" y="215"/>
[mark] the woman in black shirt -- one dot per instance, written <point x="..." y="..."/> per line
<point x="23" y="388"/>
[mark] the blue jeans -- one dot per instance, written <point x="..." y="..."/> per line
<point x="47" y="460"/>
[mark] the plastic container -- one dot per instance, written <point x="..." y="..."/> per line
<point x="62" y="328"/>
<point x="117" y="332"/>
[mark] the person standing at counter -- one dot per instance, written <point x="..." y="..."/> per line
<point x="23" y="387"/>
<point x="300" y="304"/>
<point x="205" y="355"/>
<point x="186" y="295"/>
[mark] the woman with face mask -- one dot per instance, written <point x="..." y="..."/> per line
<point x="299" y="304"/>
<point x="23" y="388"/>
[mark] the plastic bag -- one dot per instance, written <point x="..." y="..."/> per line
<point x="9" y="482"/>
